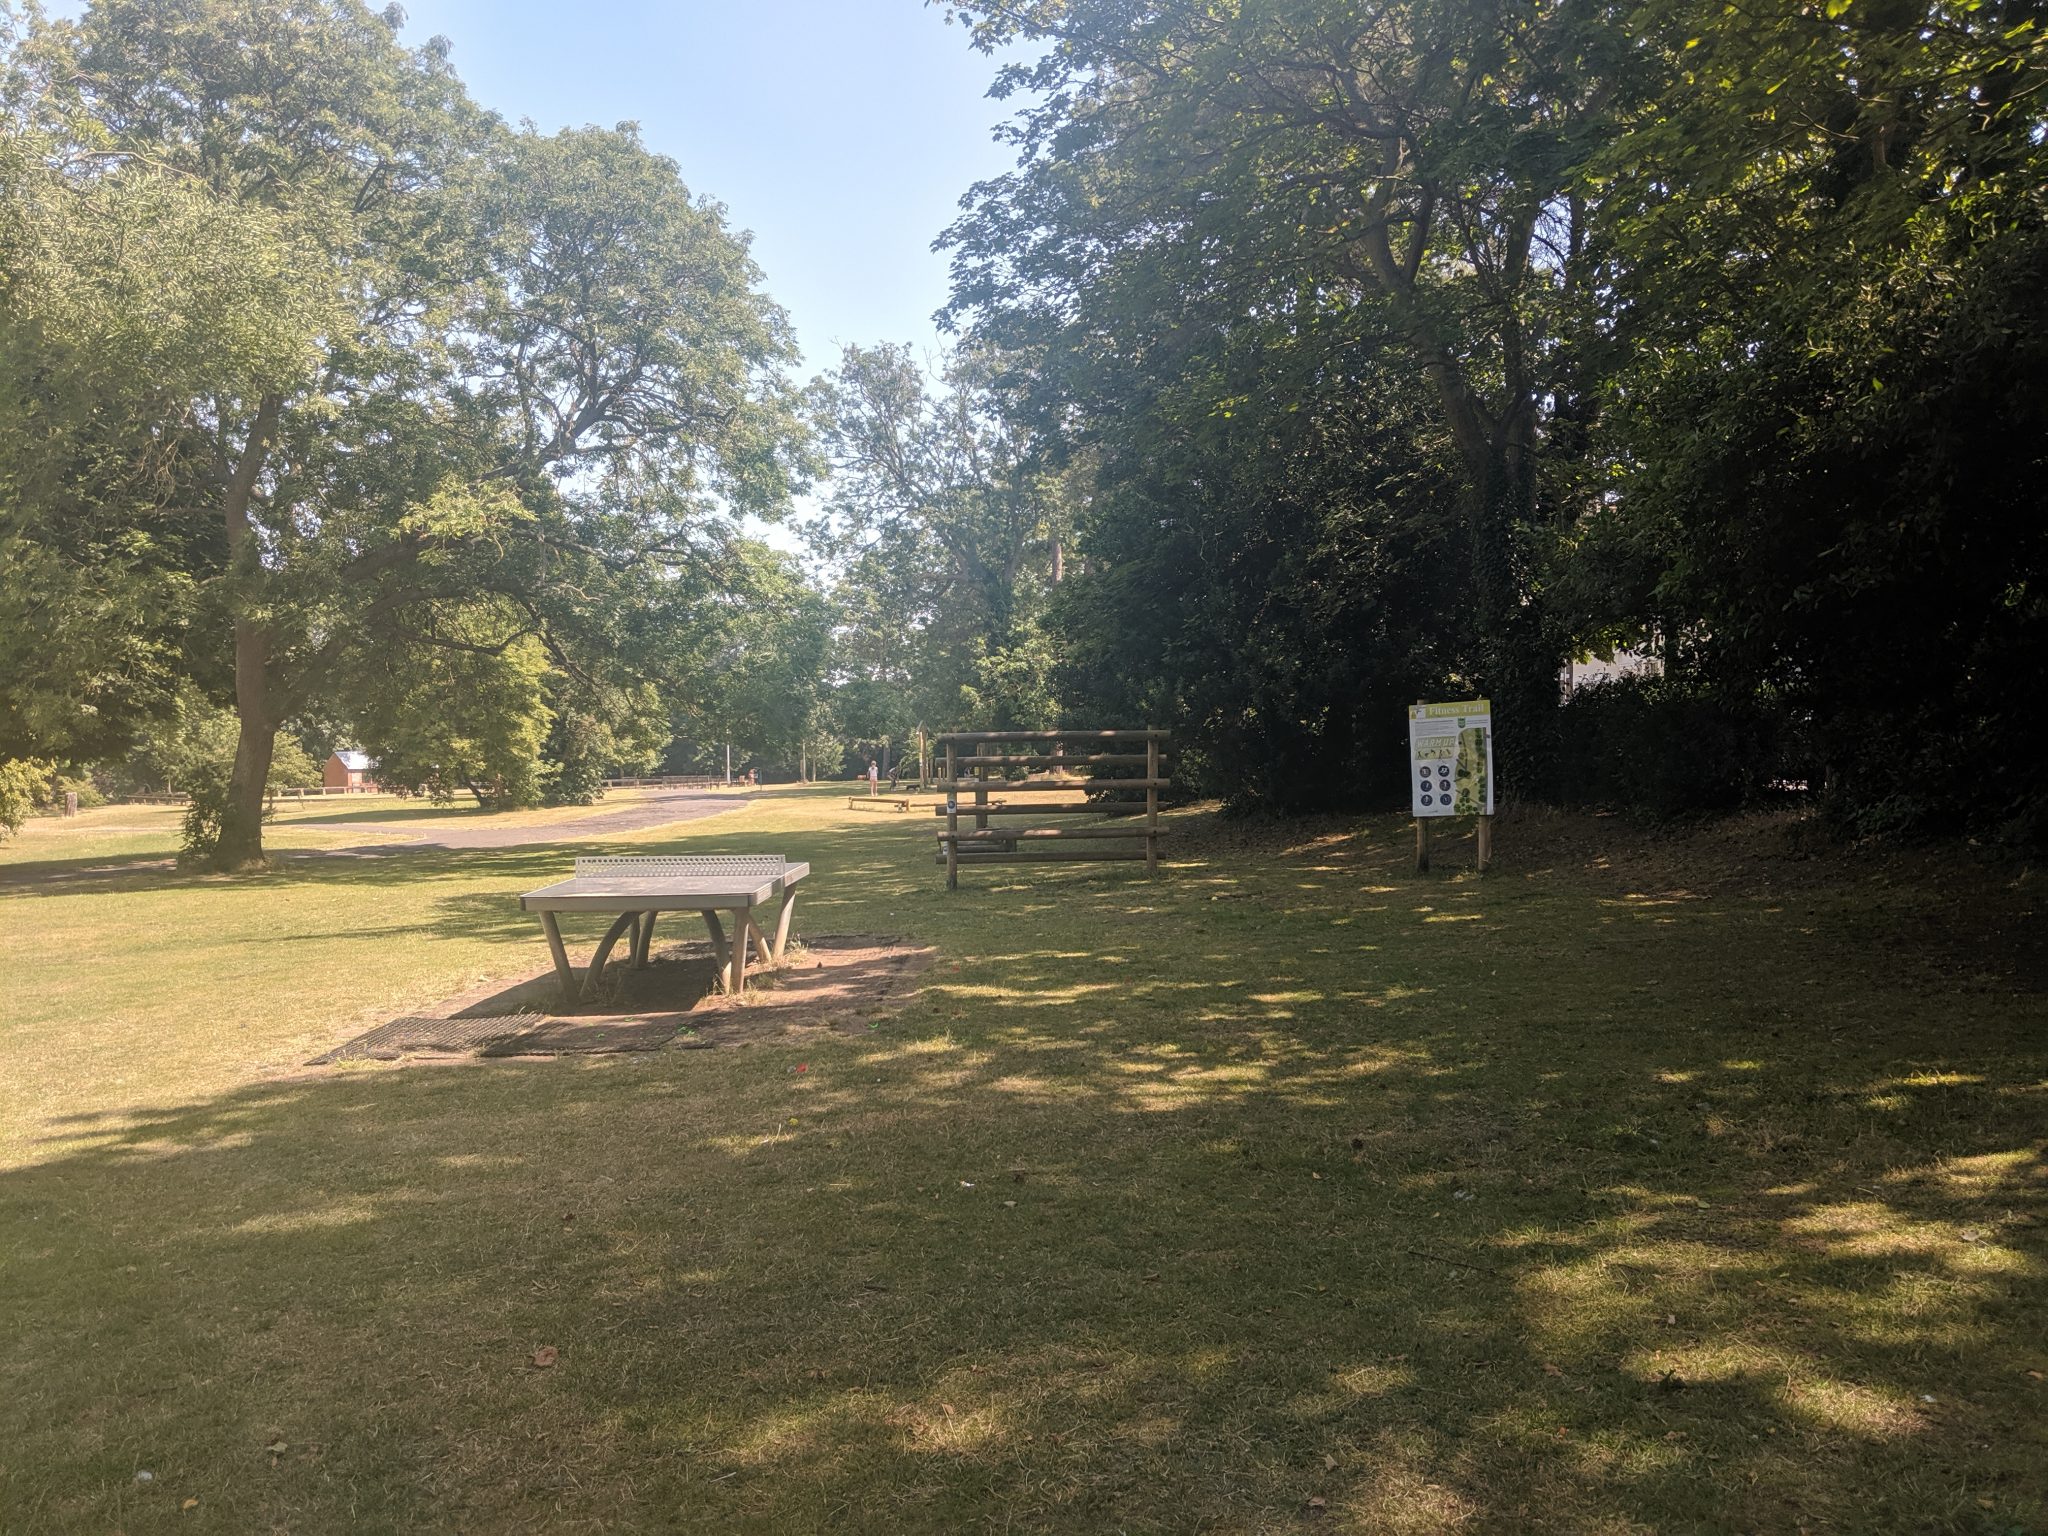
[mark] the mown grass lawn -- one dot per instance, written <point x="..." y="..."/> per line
<point x="1637" y="1186"/>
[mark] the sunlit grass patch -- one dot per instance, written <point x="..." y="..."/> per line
<point x="1144" y="1214"/>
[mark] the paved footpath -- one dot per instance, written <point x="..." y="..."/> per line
<point x="656" y="809"/>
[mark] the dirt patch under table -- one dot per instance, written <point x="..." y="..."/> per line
<point x="843" y="982"/>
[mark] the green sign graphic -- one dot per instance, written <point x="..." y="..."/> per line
<point x="1450" y="758"/>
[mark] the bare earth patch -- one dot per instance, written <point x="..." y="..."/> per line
<point x="844" y="982"/>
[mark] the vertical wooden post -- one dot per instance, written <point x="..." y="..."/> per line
<point x="1152" y="805"/>
<point x="1485" y="842"/>
<point x="1422" y="844"/>
<point x="981" y="788"/>
<point x="952" y="819"/>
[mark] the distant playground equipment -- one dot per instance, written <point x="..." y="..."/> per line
<point x="976" y="765"/>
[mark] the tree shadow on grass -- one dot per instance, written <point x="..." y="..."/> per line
<point x="1444" y="1224"/>
<point x="1540" y="1202"/>
<point x="405" y="863"/>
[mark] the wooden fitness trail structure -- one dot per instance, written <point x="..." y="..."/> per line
<point x="976" y="764"/>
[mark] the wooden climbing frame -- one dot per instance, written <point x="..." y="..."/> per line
<point x="977" y="764"/>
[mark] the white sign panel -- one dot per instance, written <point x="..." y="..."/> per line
<point x="1450" y="758"/>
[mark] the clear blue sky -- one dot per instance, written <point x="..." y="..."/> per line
<point x="840" y="132"/>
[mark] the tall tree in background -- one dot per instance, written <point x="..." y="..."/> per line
<point x="328" y="145"/>
<point x="486" y="367"/>
<point x="1727" y="327"/>
<point x="128" y="297"/>
<point x="1276" y="561"/>
<point x="1415" y="160"/>
<point x="947" y="529"/>
<point x="1827" y="239"/>
<point x="770" y="673"/>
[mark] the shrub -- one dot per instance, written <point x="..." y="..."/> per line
<point x="83" y="785"/>
<point x="1666" y="747"/>
<point x="23" y="783"/>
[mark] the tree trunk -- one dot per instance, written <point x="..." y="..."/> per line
<point x="1517" y="668"/>
<point x="1498" y="449"/>
<point x="241" y="823"/>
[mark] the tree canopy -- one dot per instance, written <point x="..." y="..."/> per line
<point x="430" y="387"/>
<point x="946" y="527"/>
<point x="1317" y="356"/>
<point x="1425" y="344"/>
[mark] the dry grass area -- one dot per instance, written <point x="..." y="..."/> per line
<point x="845" y="982"/>
<point x="1692" y="1183"/>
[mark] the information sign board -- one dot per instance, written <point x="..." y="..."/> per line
<point x="1450" y="758"/>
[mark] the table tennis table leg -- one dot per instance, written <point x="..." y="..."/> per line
<point x="759" y="939"/>
<point x="592" y="976"/>
<point x="643" y="940"/>
<point x="722" y="952"/>
<point x="782" y="924"/>
<point x="563" y="972"/>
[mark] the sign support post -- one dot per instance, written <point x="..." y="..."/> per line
<point x="1450" y="757"/>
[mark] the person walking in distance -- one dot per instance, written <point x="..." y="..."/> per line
<point x="874" y="778"/>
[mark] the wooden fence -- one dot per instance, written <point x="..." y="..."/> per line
<point x="668" y="781"/>
<point x="295" y="792"/>
<point x="978" y="764"/>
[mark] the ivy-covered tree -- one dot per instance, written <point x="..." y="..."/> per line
<point x="190" y="750"/>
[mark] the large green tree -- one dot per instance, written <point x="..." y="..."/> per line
<point x="1275" y="564"/>
<point x="1712" y="331"/>
<point x="766" y="646"/>
<point x="947" y="527"/>
<point x="1416" y="161"/>
<point x="1827" y="240"/>
<point x="127" y="295"/>
<point x="493" y="364"/>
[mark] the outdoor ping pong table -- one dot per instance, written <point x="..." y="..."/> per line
<point x="640" y="888"/>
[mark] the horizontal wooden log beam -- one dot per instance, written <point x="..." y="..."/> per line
<point x="1087" y="760"/>
<point x="967" y="738"/>
<point x="1043" y="834"/>
<point x="1054" y="856"/>
<point x="1042" y="786"/>
<point x="997" y="808"/>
